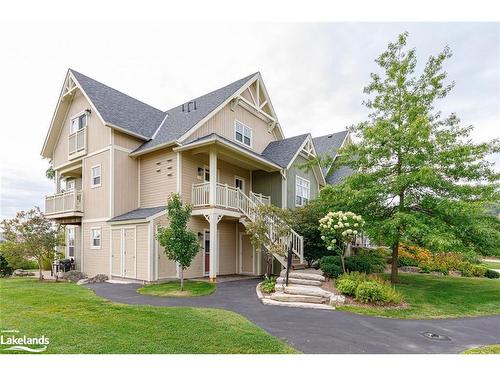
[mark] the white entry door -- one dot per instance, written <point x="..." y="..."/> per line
<point x="123" y="252"/>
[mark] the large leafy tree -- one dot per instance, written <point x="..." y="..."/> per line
<point x="419" y="178"/>
<point x="31" y="235"/>
<point x="181" y="244"/>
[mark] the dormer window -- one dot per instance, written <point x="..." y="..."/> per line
<point x="78" y="123"/>
<point x="242" y="133"/>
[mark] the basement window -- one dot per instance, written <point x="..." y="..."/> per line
<point x="242" y="133"/>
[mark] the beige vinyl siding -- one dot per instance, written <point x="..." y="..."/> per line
<point x="125" y="183"/>
<point x="227" y="173"/>
<point x="142" y="239"/>
<point x="309" y="175"/>
<point x="166" y="267"/>
<point x="96" y="261"/>
<point x="227" y="247"/>
<point x="98" y="135"/>
<point x="222" y="123"/>
<point x="197" y="224"/>
<point x="126" y="141"/>
<point x="190" y="164"/>
<point x="158" y="177"/>
<point x="96" y="200"/>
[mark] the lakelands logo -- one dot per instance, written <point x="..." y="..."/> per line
<point x="24" y="343"/>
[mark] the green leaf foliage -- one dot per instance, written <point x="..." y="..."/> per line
<point x="419" y="177"/>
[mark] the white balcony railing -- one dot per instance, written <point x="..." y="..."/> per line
<point x="77" y="142"/>
<point x="69" y="201"/>
<point x="225" y="196"/>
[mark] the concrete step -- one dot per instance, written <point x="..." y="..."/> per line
<point x="304" y="305"/>
<point x="307" y="290"/>
<point x="298" y="266"/>
<point x="283" y="297"/>
<point x="293" y="281"/>
<point x="303" y="275"/>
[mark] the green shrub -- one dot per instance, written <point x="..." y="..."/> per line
<point x="490" y="274"/>
<point x="478" y="271"/>
<point x="370" y="291"/>
<point x="466" y="269"/>
<point x="348" y="282"/>
<point x="407" y="262"/>
<point x="329" y="259"/>
<point x="5" y="267"/>
<point x="268" y="285"/>
<point x="331" y="270"/>
<point x="346" y="286"/>
<point x="367" y="261"/>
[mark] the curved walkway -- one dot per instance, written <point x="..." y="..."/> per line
<point x="323" y="331"/>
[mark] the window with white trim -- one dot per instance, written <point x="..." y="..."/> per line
<point x="243" y="133"/>
<point x="71" y="242"/>
<point x="95" y="175"/>
<point x="70" y="185"/>
<point x="95" y="238"/>
<point x="78" y="123"/>
<point x="302" y="191"/>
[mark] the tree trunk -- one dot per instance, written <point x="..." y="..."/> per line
<point x="40" y="271"/>
<point x="182" y="279"/>
<point x="342" y="254"/>
<point x="394" y="263"/>
<point x="269" y="264"/>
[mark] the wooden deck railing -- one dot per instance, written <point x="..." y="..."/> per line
<point x="69" y="201"/>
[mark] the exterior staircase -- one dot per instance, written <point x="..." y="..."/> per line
<point x="303" y="290"/>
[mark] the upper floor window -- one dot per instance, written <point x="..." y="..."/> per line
<point x="78" y="123"/>
<point x="302" y="191"/>
<point x="95" y="176"/>
<point x="70" y="185"/>
<point x="95" y="238"/>
<point x="243" y="133"/>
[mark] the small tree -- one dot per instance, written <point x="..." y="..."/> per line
<point x="181" y="245"/>
<point x="338" y="229"/>
<point x="259" y="230"/>
<point x="31" y="235"/>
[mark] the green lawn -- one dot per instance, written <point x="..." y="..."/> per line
<point x="77" y="321"/>
<point x="494" y="265"/>
<point x="489" y="349"/>
<point x="172" y="289"/>
<point x="431" y="297"/>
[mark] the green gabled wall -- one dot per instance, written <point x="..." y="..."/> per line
<point x="268" y="184"/>
<point x="294" y="171"/>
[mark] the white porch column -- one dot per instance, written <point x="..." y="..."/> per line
<point x="214" y="244"/>
<point x="213" y="179"/>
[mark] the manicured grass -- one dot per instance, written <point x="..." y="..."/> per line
<point x="489" y="349"/>
<point x="77" y="321"/>
<point x="494" y="265"/>
<point x="432" y="297"/>
<point x="172" y="289"/>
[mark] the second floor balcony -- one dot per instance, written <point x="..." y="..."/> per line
<point x="65" y="207"/>
<point x="77" y="143"/>
<point x="226" y="196"/>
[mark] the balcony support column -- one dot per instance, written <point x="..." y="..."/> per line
<point x="213" y="176"/>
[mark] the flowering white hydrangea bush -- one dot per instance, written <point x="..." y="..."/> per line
<point x="343" y="226"/>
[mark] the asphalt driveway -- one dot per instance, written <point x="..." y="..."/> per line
<point x="324" y="331"/>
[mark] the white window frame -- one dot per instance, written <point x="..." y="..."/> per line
<point x="77" y="116"/>
<point x="242" y="180"/>
<point x="73" y="182"/>
<point x="71" y="229"/>
<point x="243" y="128"/>
<point x="92" y="185"/>
<point x="92" y="246"/>
<point x="301" y="187"/>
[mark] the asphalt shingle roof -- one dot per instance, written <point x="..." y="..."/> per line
<point x="119" y="109"/>
<point x="281" y="152"/>
<point x="178" y="122"/>
<point x="139" y="213"/>
<point x="329" y="144"/>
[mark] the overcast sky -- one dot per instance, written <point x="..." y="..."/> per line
<point x="315" y="74"/>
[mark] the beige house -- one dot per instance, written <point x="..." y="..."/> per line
<point x="117" y="160"/>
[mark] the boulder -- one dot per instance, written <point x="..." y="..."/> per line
<point x="337" y="299"/>
<point x="410" y="269"/>
<point x="22" y="273"/>
<point x="99" y="278"/>
<point x="73" y="276"/>
<point x="455" y="273"/>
